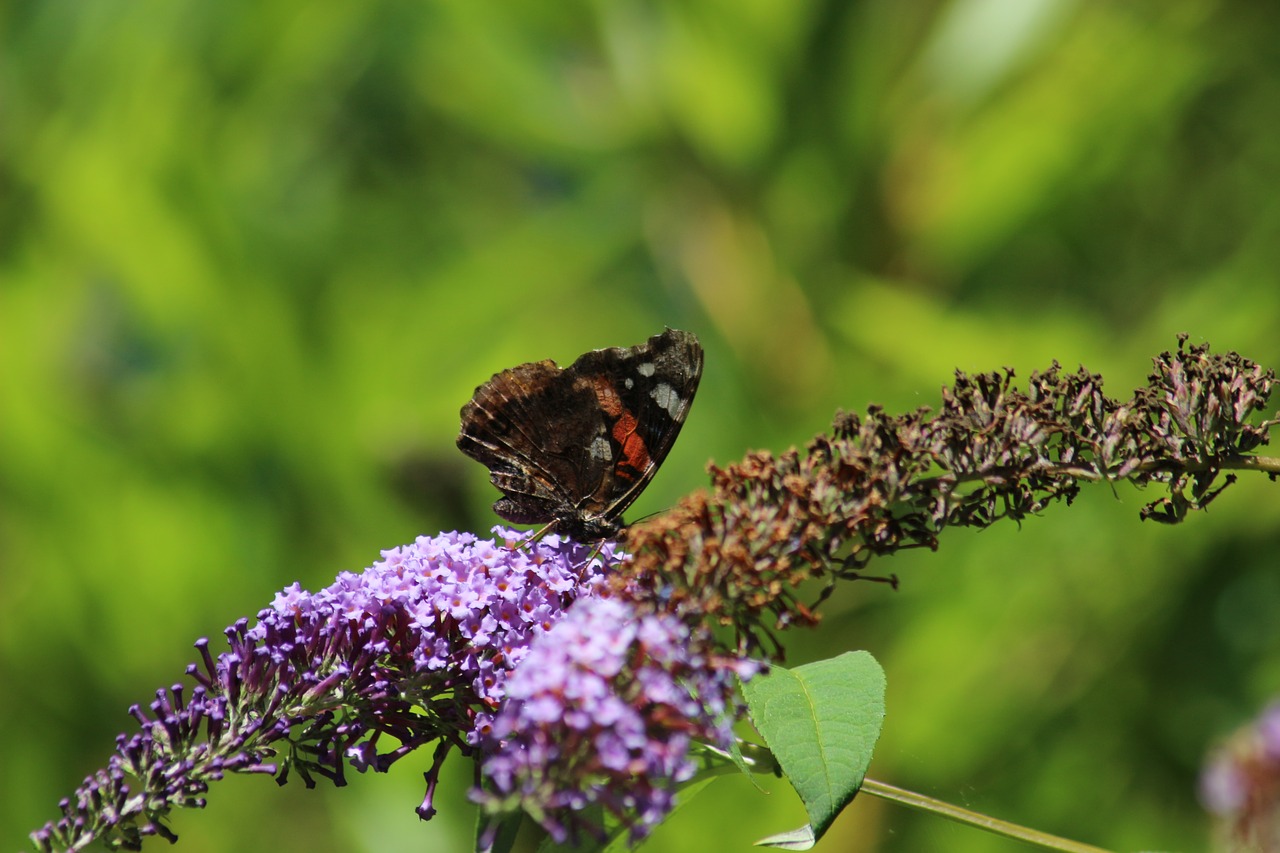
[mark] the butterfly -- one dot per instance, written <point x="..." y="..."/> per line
<point x="572" y="448"/>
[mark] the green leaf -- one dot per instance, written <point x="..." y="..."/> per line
<point x="620" y="840"/>
<point x="500" y="832"/>
<point x="735" y="755"/>
<point x="587" y="843"/>
<point x="792" y="839"/>
<point x="821" y="721"/>
<point x="714" y="755"/>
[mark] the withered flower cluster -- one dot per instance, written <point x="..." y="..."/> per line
<point x="880" y="484"/>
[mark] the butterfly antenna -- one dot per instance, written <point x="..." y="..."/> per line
<point x="645" y="517"/>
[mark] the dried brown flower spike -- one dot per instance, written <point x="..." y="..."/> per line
<point x="882" y="483"/>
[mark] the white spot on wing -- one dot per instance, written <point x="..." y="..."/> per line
<point x="600" y="449"/>
<point x="645" y="368"/>
<point x="666" y="397"/>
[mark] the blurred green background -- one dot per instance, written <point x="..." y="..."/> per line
<point x="255" y="256"/>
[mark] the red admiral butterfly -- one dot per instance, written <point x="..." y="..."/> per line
<point x="574" y="448"/>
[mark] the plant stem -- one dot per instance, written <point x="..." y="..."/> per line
<point x="974" y="819"/>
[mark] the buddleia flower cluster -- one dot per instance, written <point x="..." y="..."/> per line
<point x="605" y="712"/>
<point x="1240" y="786"/>
<point x="421" y="648"/>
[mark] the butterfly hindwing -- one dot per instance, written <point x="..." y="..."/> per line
<point x="517" y="426"/>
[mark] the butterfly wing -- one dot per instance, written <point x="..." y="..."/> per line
<point x="531" y="427"/>
<point x="645" y="393"/>
<point x="577" y="446"/>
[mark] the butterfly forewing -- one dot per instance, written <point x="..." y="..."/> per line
<point x="645" y="393"/>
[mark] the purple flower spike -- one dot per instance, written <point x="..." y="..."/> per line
<point x="1240" y="785"/>
<point x="604" y="710"/>
<point x="417" y="647"/>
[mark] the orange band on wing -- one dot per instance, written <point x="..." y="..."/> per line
<point x="635" y="454"/>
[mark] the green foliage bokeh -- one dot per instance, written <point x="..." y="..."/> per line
<point x="255" y="256"/>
